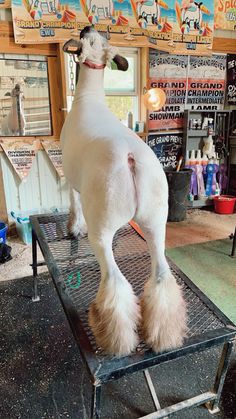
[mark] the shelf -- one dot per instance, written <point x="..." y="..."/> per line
<point x="198" y="133"/>
<point x="199" y="203"/>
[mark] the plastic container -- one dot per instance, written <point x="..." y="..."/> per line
<point x="3" y="232"/>
<point x="179" y="186"/>
<point x="23" y="225"/>
<point x="224" y="204"/>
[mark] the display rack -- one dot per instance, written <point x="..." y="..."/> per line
<point x="193" y="139"/>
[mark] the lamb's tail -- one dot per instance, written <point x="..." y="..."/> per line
<point x="132" y="168"/>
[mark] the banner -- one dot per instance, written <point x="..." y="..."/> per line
<point x="206" y="82"/>
<point x="167" y="147"/>
<point x="168" y="72"/>
<point x="54" y="153"/>
<point x="36" y="21"/>
<point x="231" y="79"/>
<point x="182" y="26"/>
<point x="193" y="27"/>
<point x="108" y="12"/>
<point x="225" y="14"/>
<point x="5" y="4"/>
<point x="21" y="156"/>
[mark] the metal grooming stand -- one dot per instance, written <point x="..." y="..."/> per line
<point x="75" y="273"/>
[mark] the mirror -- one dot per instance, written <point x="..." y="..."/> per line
<point x="24" y="96"/>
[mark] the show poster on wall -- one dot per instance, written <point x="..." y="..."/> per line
<point x="46" y="21"/>
<point x="5" y="4"/>
<point x="119" y="13"/>
<point x="225" y="14"/>
<point x="194" y="25"/>
<point x="231" y="79"/>
<point x="206" y="82"/>
<point x="168" y="72"/>
<point x="168" y="147"/>
<point x="54" y="153"/>
<point x="21" y="156"/>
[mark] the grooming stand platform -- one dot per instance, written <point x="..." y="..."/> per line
<point x="75" y="273"/>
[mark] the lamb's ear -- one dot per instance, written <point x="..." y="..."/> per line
<point x="121" y="62"/>
<point x="73" y="46"/>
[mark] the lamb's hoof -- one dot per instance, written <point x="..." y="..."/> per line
<point x="112" y="333"/>
<point x="75" y="229"/>
<point x="163" y="314"/>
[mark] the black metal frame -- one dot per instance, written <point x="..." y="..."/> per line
<point x="102" y="369"/>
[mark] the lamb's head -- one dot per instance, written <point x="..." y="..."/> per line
<point x="94" y="50"/>
<point x="15" y="92"/>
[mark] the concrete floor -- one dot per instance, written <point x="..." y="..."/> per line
<point x="42" y="375"/>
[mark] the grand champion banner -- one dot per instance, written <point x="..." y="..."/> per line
<point x="225" y="14"/>
<point x="36" y="21"/>
<point x="193" y="27"/>
<point x="231" y="79"/>
<point x="168" y="147"/>
<point x="182" y="26"/>
<point x="206" y="82"/>
<point x="21" y="155"/>
<point x="168" y="72"/>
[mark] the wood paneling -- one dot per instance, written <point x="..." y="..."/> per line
<point x="8" y="45"/>
<point x="225" y="45"/>
<point x="56" y="95"/>
<point x="3" y="207"/>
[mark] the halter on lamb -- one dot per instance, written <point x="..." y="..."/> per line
<point x="115" y="178"/>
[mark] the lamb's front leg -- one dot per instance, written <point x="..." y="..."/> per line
<point x="76" y="223"/>
<point x="114" y="314"/>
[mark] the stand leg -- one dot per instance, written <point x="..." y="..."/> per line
<point x="213" y="406"/>
<point x="96" y="398"/>
<point x="34" y="266"/>
<point x="234" y="244"/>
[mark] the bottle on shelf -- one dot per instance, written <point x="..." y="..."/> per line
<point x="130" y="120"/>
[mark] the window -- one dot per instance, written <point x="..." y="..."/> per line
<point x="122" y="88"/>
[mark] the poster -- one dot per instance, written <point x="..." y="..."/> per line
<point x="110" y="13"/>
<point x="5" y="4"/>
<point x="193" y="27"/>
<point x="168" y="72"/>
<point x="231" y="79"/>
<point x="206" y="82"/>
<point x="54" y="153"/>
<point x="21" y="155"/>
<point x="155" y="17"/>
<point x="225" y="14"/>
<point x="36" y="21"/>
<point x="168" y="148"/>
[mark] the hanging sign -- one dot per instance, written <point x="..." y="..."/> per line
<point x="206" y="82"/>
<point x="225" y="14"/>
<point x="54" y="153"/>
<point x="5" y="4"/>
<point x="118" y="15"/>
<point x="155" y="17"/>
<point x="21" y="156"/>
<point x="231" y="79"/>
<point x="36" y="21"/>
<point x="193" y="28"/>
<point x="167" y="147"/>
<point x="168" y="72"/>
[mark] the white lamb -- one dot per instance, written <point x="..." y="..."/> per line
<point x="14" y="123"/>
<point x="115" y="178"/>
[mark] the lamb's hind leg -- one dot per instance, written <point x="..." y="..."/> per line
<point x="162" y="305"/>
<point x="114" y="314"/>
<point x="76" y="223"/>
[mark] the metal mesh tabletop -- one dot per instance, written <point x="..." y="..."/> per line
<point x="76" y="275"/>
